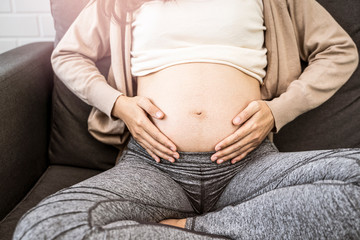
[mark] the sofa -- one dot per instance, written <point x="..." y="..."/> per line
<point x="44" y="140"/>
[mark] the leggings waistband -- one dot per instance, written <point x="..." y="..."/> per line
<point x="198" y="157"/>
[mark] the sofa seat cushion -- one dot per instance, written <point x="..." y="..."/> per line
<point x="55" y="178"/>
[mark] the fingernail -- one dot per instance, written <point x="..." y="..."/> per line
<point x="159" y="114"/>
<point x="173" y="148"/>
<point x="237" y="120"/>
<point x="217" y="148"/>
<point x="220" y="161"/>
<point x="175" y="156"/>
<point x="214" y="158"/>
<point x="171" y="160"/>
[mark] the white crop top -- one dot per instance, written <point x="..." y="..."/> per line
<point x="229" y="32"/>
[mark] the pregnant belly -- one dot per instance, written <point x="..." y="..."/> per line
<point x="199" y="100"/>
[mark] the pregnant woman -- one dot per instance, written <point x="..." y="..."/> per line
<point x="194" y="89"/>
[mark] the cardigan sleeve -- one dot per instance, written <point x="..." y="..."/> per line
<point x="332" y="57"/>
<point x="73" y="59"/>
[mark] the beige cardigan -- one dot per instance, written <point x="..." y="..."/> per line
<point x="295" y="30"/>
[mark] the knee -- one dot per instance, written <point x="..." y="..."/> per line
<point x="52" y="219"/>
<point x="339" y="165"/>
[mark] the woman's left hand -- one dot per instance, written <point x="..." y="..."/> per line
<point x="256" y="122"/>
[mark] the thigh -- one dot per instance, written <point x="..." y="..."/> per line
<point x="308" y="211"/>
<point x="132" y="190"/>
<point x="267" y="169"/>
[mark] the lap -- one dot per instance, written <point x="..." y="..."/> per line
<point x="138" y="181"/>
<point x="130" y="180"/>
<point x="132" y="190"/>
<point x="269" y="169"/>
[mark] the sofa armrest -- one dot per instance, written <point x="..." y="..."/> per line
<point x="26" y="80"/>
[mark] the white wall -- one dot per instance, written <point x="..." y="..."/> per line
<point x="24" y="21"/>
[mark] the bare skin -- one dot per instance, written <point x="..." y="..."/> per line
<point x="177" y="108"/>
<point x="134" y="112"/>
<point x="175" y="222"/>
<point x="197" y="97"/>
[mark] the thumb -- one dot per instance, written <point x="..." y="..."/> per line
<point x="150" y="108"/>
<point x="252" y="108"/>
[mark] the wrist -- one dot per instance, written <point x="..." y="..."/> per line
<point x="118" y="105"/>
<point x="271" y="115"/>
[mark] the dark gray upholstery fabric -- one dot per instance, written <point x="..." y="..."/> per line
<point x="336" y="123"/>
<point x="54" y="179"/>
<point x="25" y="101"/>
<point x="71" y="143"/>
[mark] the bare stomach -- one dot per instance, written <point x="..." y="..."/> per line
<point x="199" y="100"/>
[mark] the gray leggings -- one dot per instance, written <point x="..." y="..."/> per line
<point x="267" y="195"/>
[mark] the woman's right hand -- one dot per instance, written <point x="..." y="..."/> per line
<point x="133" y="111"/>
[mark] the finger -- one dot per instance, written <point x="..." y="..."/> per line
<point x="247" y="113"/>
<point x="157" y="159"/>
<point x="234" y="150"/>
<point x="146" y="147"/>
<point x="156" y="134"/>
<point x="157" y="152"/>
<point x="158" y="147"/>
<point x="239" y="153"/>
<point x="254" y="139"/>
<point x="242" y="156"/>
<point x="234" y="154"/>
<point x="220" y="156"/>
<point x="240" y="133"/>
<point x="149" y="107"/>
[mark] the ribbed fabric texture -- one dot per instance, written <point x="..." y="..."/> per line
<point x="169" y="33"/>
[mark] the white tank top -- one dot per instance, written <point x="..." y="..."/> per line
<point x="228" y="32"/>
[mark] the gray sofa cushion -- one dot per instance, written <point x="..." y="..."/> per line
<point x="70" y="142"/>
<point x="25" y="97"/>
<point x="336" y="123"/>
<point x="54" y="179"/>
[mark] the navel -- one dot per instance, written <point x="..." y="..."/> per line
<point x="198" y="114"/>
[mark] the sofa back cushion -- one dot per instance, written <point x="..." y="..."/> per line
<point x="70" y="141"/>
<point x="336" y="123"/>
